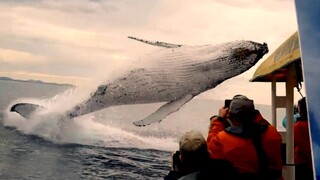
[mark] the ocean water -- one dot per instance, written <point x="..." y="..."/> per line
<point x="100" y="145"/>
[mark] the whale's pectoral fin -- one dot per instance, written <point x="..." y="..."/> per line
<point x="25" y="109"/>
<point x="164" y="111"/>
<point x="156" y="43"/>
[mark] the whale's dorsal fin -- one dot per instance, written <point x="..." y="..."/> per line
<point x="156" y="43"/>
<point x="164" y="111"/>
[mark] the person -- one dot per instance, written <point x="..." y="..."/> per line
<point x="242" y="136"/>
<point x="192" y="161"/>
<point x="295" y="116"/>
<point x="302" y="149"/>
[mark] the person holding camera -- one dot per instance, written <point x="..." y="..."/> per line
<point x="192" y="161"/>
<point x="240" y="135"/>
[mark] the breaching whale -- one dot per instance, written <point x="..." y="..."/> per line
<point x="174" y="75"/>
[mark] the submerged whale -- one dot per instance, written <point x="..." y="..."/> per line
<point x="174" y="74"/>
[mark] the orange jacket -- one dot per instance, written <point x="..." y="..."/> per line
<point x="241" y="150"/>
<point x="302" y="149"/>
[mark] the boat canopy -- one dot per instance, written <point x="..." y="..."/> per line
<point x="275" y="66"/>
<point x="283" y="65"/>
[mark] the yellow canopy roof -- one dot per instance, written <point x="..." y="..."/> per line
<point x="275" y="65"/>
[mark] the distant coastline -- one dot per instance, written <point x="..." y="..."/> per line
<point x="33" y="81"/>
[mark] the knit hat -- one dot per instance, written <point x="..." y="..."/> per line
<point x="241" y="106"/>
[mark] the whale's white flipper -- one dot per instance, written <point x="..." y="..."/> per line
<point x="164" y="111"/>
<point x="156" y="43"/>
<point x="25" y="109"/>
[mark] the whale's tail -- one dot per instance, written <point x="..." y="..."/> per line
<point x="25" y="109"/>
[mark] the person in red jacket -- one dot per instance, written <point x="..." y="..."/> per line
<point x="240" y="135"/>
<point x="302" y="149"/>
<point x="192" y="161"/>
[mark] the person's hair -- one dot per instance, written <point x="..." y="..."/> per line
<point x="193" y="148"/>
<point x="243" y="117"/>
<point x="302" y="107"/>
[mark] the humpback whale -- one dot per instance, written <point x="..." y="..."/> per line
<point x="173" y="75"/>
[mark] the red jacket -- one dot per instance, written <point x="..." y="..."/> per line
<point x="240" y="150"/>
<point x="302" y="149"/>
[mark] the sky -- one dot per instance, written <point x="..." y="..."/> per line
<point x="80" y="41"/>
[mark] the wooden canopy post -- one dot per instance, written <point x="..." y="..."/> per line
<point x="273" y="102"/>
<point x="290" y="84"/>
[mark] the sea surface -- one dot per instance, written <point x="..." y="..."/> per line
<point x="100" y="145"/>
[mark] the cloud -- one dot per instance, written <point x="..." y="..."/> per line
<point x="80" y="38"/>
<point x="266" y="5"/>
<point x="13" y="57"/>
<point x="46" y="77"/>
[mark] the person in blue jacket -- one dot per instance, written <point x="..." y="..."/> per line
<point x="295" y="116"/>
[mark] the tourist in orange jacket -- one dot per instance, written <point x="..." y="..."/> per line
<point x="242" y="136"/>
<point x="302" y="149"/>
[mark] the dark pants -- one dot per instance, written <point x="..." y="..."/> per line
<point x="304" y="172"/>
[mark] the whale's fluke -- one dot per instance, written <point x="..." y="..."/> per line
<point x="25" y="109"/>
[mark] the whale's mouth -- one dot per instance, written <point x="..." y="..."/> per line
<point x="261" y="50"/>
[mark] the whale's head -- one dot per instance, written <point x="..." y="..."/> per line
<point x="244" y="55"/>
<point x="260" y="50"/>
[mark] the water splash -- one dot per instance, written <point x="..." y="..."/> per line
<point x="106" y="128"/>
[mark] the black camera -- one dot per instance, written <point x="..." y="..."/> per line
<point x="227" y="103"/>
